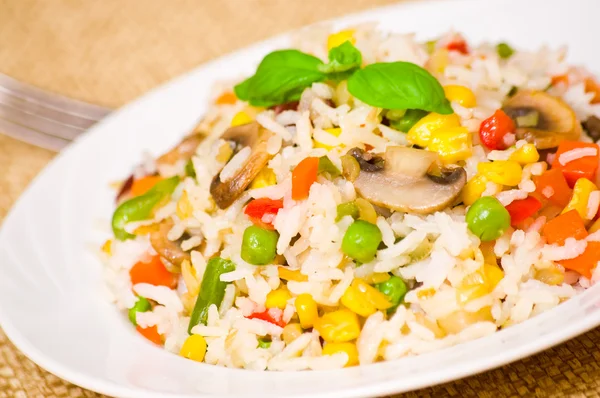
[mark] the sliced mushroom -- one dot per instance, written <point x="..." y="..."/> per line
<point x="183" y="151"/>
<point x="250" y="135"/>
<point x="542" y="119"/>
<point x="404" y="183"/>
<point x="170" y="251"/>
<point x="592" y="126"/>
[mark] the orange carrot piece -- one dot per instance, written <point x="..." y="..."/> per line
<point x="552" y="186"/>
<point x="227" y="98"/>
<point x="584" y="167"/>
<point x="568" y="225"/>
<point x="592" y="86"/>
<point x="303" y="176"/>
<point x="153" y="273"/>
<point x="150" y="333"/>
<point x="144" y="184"/>
<point x="586" y="262"/>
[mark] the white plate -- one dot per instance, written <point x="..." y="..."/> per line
<point x="52" y="303"/>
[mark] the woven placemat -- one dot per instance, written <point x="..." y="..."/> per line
<point x="109" y="52"/>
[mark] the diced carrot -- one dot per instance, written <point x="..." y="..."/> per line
<point x="560" y="79"/>
<point x="552" y="186"/>
<point x="592" y="86"/>
<point x="144" y="184"/>
<point x="585" y="263"/>
<point x="303" y="176"/>
<point x="151" y="333"/>
<point x="568" y="225"/>
<point x="584" y="167"/>
<point x="227" y="98"/>
<point x="153" y="273"/>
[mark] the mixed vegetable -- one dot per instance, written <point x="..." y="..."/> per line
<point x="426" y="176"/>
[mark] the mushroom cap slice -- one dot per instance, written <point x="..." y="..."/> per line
<point x="251" y="135"/>
<point x="171" y="253"/>
<point x="183" y="151"/>
<point x="405" y="185"/>
<point x="556" y="122"/>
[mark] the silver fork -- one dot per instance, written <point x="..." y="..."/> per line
<point x="41" y="118"/>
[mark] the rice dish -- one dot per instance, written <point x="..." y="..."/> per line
<point x="364" y="197"/>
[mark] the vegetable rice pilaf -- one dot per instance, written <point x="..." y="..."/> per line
<point x="364" y="197"/>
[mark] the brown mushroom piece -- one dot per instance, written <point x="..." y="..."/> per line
<point x="542" y="119"/>
<point x="169" y="251"/>
<point x="182" y="151"/>
<point x="251" y="135"/>
<point x="404" y="183"/>
<point x="592" y="127"/>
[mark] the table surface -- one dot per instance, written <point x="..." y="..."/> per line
<point x="111" y="51"/>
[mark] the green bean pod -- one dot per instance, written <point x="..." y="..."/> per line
<point x="212" y="290"/>
<point x="140" y="207"/>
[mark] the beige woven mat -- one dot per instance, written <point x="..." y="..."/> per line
<point x="110" y="51"/>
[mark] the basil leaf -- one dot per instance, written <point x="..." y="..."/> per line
<point x="342" y="58"/>
<point x="399" y="85"/>
<point x="280" y="77"/>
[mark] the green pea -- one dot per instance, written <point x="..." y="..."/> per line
<point x="394" y="289"/>
<point x="140" y="208"/>
<point x="142" y="305"/>
<point x="259" y="245"/>
<point x="212" y="290"/>
<point x="488" y="218"/>
<point x="189" y="169"/>
<point x="504" y="50"/>
<point x="361" y="241"/>
<point x="327" y="166"/>
<point x="347" y="209"/>
<point x="410" y="118"/>
<point x="263" y="342"/>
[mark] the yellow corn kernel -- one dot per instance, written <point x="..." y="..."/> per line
<point x="107" y="247"/>
<point x="487" y="250"/>
<point x="291" y="332"/>
<point x="430" y="324"/>
<point x="377" y="277"/>
<point x="292" y="275"/>
<point x="473" y="189"/>
<point x="424" y="294"/>
<point x="240" y="118"/>
<point x="265" y="178"/>
<point x="194" y="348"/>
<point x="364" y="299"/>
<point x="184" y="207"/>
<point x="348" y="348"/>
<point x="278" y="298"/>
<point x="479" y="283"/>
<point x="528" y="153"/>
<point x="338" y="326"/>
<point x="420" y="133"/>
<point x="595" y="227"/>
<point x="504" y="172"/>
<point x="453" y="144"/>
<point x="461" y="95"/>
<point x="225" y="153"/>
<point x="145" y="229"/>
<point x="581" y="195"/>
<point x="306" y="307"/>
<point x="438" y="61"/>
<point x="336" y="39"/>
<point x="334" y="132"/>
<point x="550" y="276"/>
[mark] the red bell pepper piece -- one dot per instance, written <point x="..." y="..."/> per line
<point x="458" y="44"/>
<point x="586" y="262"/>
<point x="152" y="272"/>
<point x="150" y="333"/>
<point x="494" y="129"/>
<point x="520" y="210"/>
<point x="552" y="186"/>
<point x="584" y="167"/>
<point x="303" y="176"/>
<point x="568" y="225"/>
<point x="259" y="208"/>
<point x="273" y="316"/>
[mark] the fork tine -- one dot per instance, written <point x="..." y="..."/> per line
<point x="40" y="123"/>
<point x="53" y="101"/>
<point x="32" y="137"/>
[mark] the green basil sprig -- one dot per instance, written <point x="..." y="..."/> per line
<point x="399" y="85"/>
<point x="343" y="60"/>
